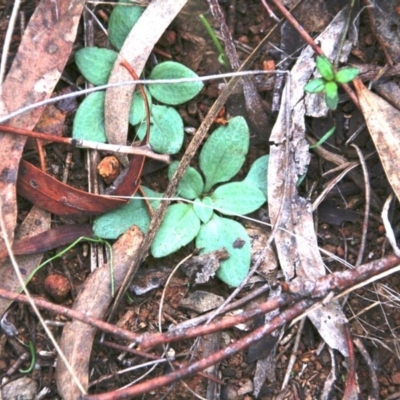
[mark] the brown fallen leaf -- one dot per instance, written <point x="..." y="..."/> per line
<point x="36" y="222"/>
<point x="383" y="121"/>
<point x="59" y="198"/>
<point x="93" y="300"/>
<point x="136" y="50"/>
<point x="49" y="239"/>
<point x="37" y="67"/>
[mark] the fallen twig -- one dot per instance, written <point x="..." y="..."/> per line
<point x="114" y="148"/>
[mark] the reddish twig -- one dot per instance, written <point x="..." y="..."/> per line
<point x="154" y="357"/>
<point x="269" y="11"/>
<point x="374" y="393"/>
<point x="200" y="365"/>
<point x="295" y="290"/>
<point x="350" y="391"/>
<point x="142" y="150"/>
<point x="67" y="312"/>
<point x="311" y="42"/>
<point x="39" y="147"/>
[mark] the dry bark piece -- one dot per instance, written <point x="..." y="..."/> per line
<point x="383" y="121"/>
<point x="201" y="301"/>
<point x="22" y="388"/>
<point x="93" y="300"/>
<point x="385" y="20"/>
<point x="149" y="279"/>
<point x="37" y="67"/>
<point x="203" y="267"/>
<point x="296" y="242"/>
<point x="59" y="198"/>
<point x="257" y="116"/>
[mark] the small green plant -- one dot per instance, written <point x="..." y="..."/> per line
<point x="95" y="64"/>
<point x="329" y="81"/>
<point x="222" y="58"/>
<point x="221" y="158"/>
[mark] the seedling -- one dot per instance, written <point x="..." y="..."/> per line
<point x="32" y="351"/>
<point x="221" y="158"/>
<point x="324" y="138"/>
<point x="222" y="58"/>
<point x="95" y="64"/>
<point x="329" y="81"/>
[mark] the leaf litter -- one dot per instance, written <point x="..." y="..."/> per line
<point x="300" y="160"/>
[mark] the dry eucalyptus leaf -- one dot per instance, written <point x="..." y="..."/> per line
<point x="136" y="50"/>
<point x="383" y="121"/>
<point x="77" y="337"/>
<point x="37" y="67"/>
<point x="37" y="221"/>
<point x="296" y="241"/>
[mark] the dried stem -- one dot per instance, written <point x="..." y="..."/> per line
<point x="115" y="148"/>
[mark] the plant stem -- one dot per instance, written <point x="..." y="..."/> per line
<point x="223" y="59"/>
<point x="32" y="351"/>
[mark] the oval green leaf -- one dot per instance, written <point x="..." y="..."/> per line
<point x="224" y="152"/>
<point x="225" y="233"/>
<point x="331" y="95"/>
<point x="325" y="68"/>
<point x="89" y="119"/>
<point x="315" y="85"/>
<point x="174" y="93"/>
<point x="122" y="20"/>
<point x="257" y="175"/>
<point x="166" y="130"/>
<point x="95" y="64"/>
<point x="191" y="184"/>
<point x="114" y="223"/>
<point x="237" y="198"/>
<point x="179" y="227"/>
<point x="346" y="75"/>
<point x="137" y="113"/>
<point x="204" y="208"/>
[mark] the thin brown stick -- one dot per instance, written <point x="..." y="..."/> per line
<point x="142" y="150"/>
<point x="297" y="289"/>
<point x="154" y="357"/>
<point x="374" y="395"/>
<point x="350" y="391"/>
<point x="39" y="147"/>
<point x="269" y="11"/>
<point x="367" y="205"/>
<point x="200" y="365"/>
<point x="256" y="115"/>
<point x="67" y="312"/>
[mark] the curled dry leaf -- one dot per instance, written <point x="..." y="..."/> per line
<point x="93" y="300"/>
<point x="383" y="121"/>
<point x="50" y="239"/>
<point x="37" y="67"/>
<point x="59" y="198"/>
